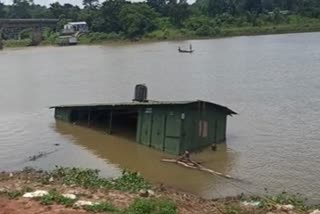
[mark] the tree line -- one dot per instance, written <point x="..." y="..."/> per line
<point x="135" y="20"/>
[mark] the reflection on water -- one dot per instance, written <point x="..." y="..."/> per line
<point x="127" y="154"/>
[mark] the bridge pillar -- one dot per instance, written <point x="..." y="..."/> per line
<point x="1" y="43"/>
<point x="36" y="36"/>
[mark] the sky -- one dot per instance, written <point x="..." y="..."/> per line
<point x="74" y="2"/>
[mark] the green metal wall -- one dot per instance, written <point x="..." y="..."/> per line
<point x="175" y="129"/>
<point x="63" y="114"/>
<point x="160" y="128"/>
<point x="192" y="139"/>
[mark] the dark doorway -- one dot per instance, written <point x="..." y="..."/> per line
<point x="118" y="121"/>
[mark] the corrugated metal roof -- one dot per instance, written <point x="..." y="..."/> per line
<point x="149" y="103"/>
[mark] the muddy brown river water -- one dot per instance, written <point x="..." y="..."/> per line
<point x="273" y="82"/>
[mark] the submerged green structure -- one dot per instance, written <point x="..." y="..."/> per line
<point x="172" y="127"/>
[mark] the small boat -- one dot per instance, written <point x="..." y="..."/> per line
<point x="186" y="51"/>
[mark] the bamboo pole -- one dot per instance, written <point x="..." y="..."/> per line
<point x="195" y="165"/>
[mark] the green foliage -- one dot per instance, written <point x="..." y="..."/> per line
<point x="109" y="20"/>
<point x="178" y="13"/>
<point x="14" y="194"/>
<point x="130" y="181"/>
<point x="161" y="6"/>
<point x="235" y="209"/>
<point x="49" y="36"/>
<point x="203" y="26"/>
<point x="99" y="37"/>
<point x="170" y="19"/>
<point x="56" y="197"/>
<point x="285" y="198"/>
<point x="17" y="43"/>
<point x="137" y="20"/>
<point x="90" y="3"/>
<point x="3" y="12"/>
<point x="152" y="206"/>
<point x="101" y="207"/>
<point x="27" y="189"/>
<point x="88" y="178"/>
<point x="66" y="11"/>
<point x="170" y="34"/>
<point x="26" y="34"/>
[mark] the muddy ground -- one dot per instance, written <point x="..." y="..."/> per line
<point x="24" y="181"/>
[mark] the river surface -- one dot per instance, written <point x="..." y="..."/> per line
<point x="273" y="82"/>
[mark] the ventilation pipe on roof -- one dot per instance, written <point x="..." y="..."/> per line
<point x="140" y="93"/>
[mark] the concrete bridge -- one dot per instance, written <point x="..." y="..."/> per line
<point x="11" y="28"/>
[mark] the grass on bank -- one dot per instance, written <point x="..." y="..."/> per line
<point x="133" y="182"/>
<point x="56" y="197"/>
<point x="17" y="43"/>
<point x="89" y="178"/>
<point x="152" y="206"/>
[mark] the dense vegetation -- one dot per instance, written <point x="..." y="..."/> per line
<point x="168" y="19"/>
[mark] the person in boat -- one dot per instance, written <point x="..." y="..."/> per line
<point x="179" y="49"/>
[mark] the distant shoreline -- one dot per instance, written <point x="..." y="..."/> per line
<point x="174" y="35"/>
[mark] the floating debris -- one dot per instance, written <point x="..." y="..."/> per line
<point x="315" y="212"/>
<point x="143" y="193"/>
<point x="40" y="155"/>
<point x="151" y="193"/>
<point x="35" y="194"/>
<point x="286" y="207"/>
<point x="70" y="196"/>
<point x="251" y="203"/>
<point x="82" y="203"/>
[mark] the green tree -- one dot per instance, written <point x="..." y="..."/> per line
<point x="253" y="6"/>
<point x="90" y="3"/>
<point x="3" y="13"/>
<point x="20" y="9"/>
<point x="160" y="6"/>
<point x="38" y="11"/>
<point x="216" y="7"/>
<point x="67" y="11"/>
<point x="178" y="12"/>
<point x="109" y="16"/>
<point x="137" y="20"/>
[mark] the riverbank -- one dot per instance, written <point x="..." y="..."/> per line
<point x="73" y="190"/>
<point x="175" y="34"/>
